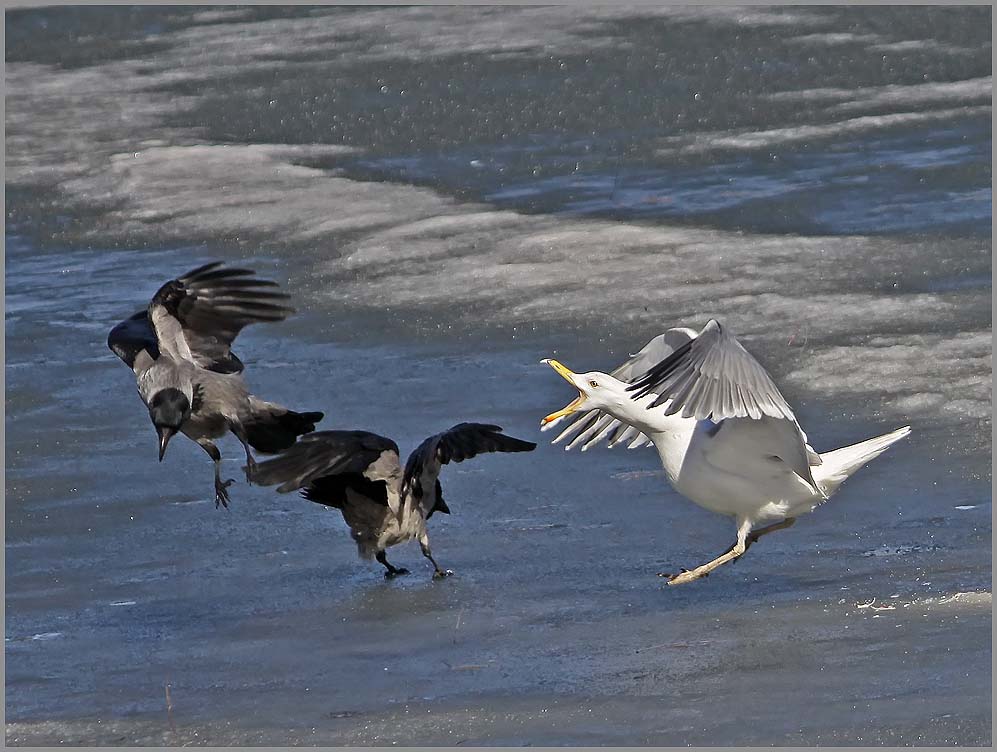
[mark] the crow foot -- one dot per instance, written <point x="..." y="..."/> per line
<point x="221" y="492"/>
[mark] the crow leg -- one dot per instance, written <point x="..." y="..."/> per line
<point x="221" y="488"/>
<point x="393" y="571"/>
<point x="240" y="434"/>
<point x="438" y="571"/>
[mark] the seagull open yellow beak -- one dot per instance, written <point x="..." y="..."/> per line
<point x="573" y="406"/>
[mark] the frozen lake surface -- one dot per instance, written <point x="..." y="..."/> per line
<point x="452" y="195"/>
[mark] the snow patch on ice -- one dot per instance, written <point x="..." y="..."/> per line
<point x="703" y="143"/>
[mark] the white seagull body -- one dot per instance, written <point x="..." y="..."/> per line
<point x="727" y="438"/>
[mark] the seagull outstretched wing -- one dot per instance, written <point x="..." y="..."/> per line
<point x="712" y="377"/>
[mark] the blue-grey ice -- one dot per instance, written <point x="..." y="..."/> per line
<point x="452" y="194"/>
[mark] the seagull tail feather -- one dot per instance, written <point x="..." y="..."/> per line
<point x="840" y="464"/>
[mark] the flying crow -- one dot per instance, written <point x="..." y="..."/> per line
<point x="188" y="377"/>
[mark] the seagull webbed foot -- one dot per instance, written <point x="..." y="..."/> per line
<point x="684" y="575"/>
<point x="440" y="574"/>
<point x="395" y="572"/>
<point x="221" y="492"/>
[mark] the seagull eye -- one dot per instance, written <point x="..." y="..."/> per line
<point x="593" y="383"/>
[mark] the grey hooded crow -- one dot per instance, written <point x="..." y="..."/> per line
<point x="189" y="378"/>
<point x="360" y="474"/>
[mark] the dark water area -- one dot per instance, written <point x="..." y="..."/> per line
<point x="928" y="180"/>
<point x="451" y="195"/>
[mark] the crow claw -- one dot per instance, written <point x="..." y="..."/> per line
<point x="221" y="494"/>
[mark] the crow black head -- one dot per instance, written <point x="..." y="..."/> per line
<point x="168" y="409"/>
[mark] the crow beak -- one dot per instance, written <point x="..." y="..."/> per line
<point x="165" y="434"/>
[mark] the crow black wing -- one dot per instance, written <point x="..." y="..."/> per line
<point x="132" y="336"/>
<point x="197" y="316"/>
<point x="325" y="464"/>
<point x="456" y="444"/>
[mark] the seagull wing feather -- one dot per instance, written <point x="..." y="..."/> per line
<point x="712" y="377"/>
<point x="593" y="430"/>
<point x="584" y="420"/>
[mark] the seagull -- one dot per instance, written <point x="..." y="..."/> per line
<point x="726" y="436"/>
<point x="360" y="474"/>
<point x="190" y="380"/>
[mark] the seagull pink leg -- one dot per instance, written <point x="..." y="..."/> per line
<point x="743" y="529"/>
<point x="756" y="534"/>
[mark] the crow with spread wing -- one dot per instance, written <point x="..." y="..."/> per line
<point x="187" y="375"/>
<point x="360" y="474"/>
